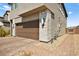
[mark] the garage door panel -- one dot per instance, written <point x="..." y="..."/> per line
<point x="28" y="31"/>
<point x="31" y="24"/>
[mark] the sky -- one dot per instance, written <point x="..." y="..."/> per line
<point x="3" y="8"/>
<point x="71" y="8"/>
<point x="73" y="14"/>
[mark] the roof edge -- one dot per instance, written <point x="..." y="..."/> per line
<point x="66" y="15"/>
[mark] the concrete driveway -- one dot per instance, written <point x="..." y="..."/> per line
<point x="67" y="44"/>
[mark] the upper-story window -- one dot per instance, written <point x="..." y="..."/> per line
<point x="13" y="6"/>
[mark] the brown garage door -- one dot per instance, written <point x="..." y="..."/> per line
<point x="28" y="29"/>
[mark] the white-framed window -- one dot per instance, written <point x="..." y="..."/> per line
<point x="43" y="18"/>
<point x="13" y="6"/>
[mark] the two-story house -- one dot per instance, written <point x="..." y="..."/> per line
<point x="1" y="23"/>
<point x="4" y="21"/>
<point x="41" y="21"/>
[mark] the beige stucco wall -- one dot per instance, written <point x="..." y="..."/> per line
<point x="31" y="17"/>
<point x="51" y="26"/>
<point x="22" y="8"/>
<point x="54" y="23"/>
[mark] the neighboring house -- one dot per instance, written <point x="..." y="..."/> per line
<point x="41" y="21"/>
<point x="1" y="23"/>
<point x="4" y="21"/>
<point x="74" y="30"/>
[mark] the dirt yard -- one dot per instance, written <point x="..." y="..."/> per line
<point x="67" y="45"/>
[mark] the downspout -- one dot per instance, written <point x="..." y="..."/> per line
<point x="13" y="28"/>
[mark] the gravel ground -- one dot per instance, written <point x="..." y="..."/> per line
<point x="66" y="45"/>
